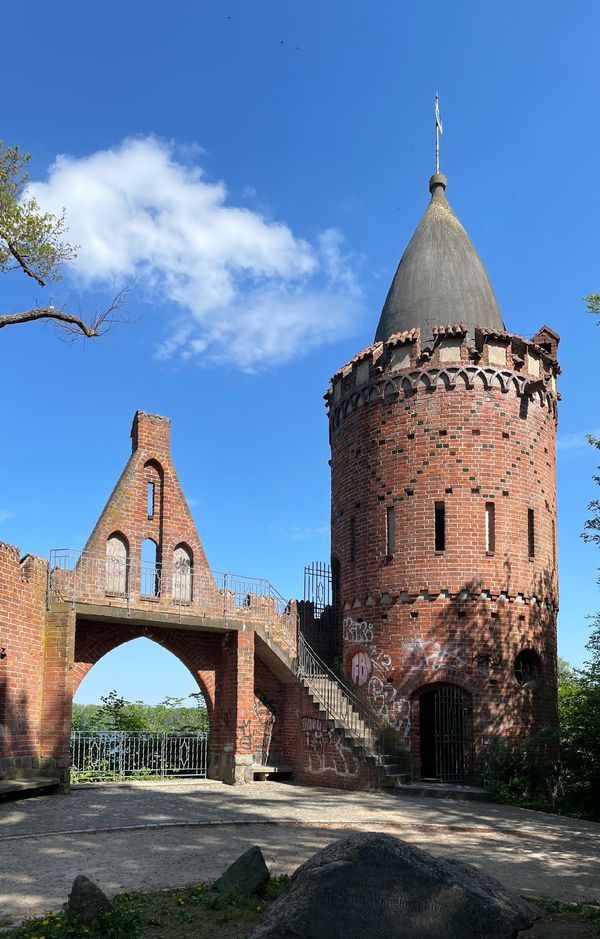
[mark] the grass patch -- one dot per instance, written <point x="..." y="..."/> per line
<point x="199" y="912"/>
<point x="584" y="912"/>
<point x="196" y="911"/>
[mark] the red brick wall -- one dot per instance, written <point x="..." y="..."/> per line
<point x="22" y="614"/>
<point x="459" y="615"/>
<point x="170" y="525"/>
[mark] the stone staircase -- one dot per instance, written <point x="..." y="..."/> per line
<point x="345" y="714"/>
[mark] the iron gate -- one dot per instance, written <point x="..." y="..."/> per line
<point x="318" y="615"/>
<point x="118" y="755"/>
<point x="445" y="733"/>
<point x="451" y="728"/>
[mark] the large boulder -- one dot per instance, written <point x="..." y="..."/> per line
<point x="249" y="874"/>
<point x="379" y="886"/>
<point x="86" y="901"/>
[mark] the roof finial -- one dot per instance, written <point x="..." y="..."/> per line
<point x="439" y="129"/>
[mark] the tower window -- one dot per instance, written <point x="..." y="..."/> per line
<point x="352" y="540"/>
<point x="390" y="530"/>
<point x="553" y="544"/>
<point x="527" y="668"/>
<point x="150" y="500"/>
<point x="440" y="526"/>
<point x="490" y="527"/>
<point x="530" y="533"/>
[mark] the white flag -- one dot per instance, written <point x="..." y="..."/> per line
<point x="438" y="120"/>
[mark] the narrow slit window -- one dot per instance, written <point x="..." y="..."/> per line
<point x="352" y="540"/>
<point x="440" y="526"/>
<point x="490" y="527"/>
<point x="553" y="543"/>
<point x="390" y="531"/>
<point x="531" y="533"/>
<point x="150" y="500"/>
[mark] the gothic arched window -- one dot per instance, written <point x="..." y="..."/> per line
<point x="182" y="574"/>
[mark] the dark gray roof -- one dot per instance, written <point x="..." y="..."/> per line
<point x="440" y="278"/>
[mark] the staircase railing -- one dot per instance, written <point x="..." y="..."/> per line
<point x="340" y="703"/>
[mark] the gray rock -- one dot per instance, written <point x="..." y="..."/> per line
<point x="249" y="874"/>
<point x="379" y="886"/>
<point x="86" y="901"/>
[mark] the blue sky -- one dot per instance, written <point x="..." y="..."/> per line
<point x="259" y="168"/>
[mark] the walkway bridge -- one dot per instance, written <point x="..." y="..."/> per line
<point x="111" y="589"/>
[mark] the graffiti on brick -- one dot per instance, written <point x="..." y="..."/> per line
<point x="357" y="630"/>
<point x="371" y="668"/>
<point x="326" y="751"/>
<point x="245" y="735"/>
<point x="433" y="655"/>
<point x="264" y="724"/>
<point x="397" y="712"/>
<point x="360" y="668"/>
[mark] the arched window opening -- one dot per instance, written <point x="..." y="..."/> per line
<point x="153" y="477"/>
<point x="117" y="565"/>
<point x="149" y="569"/>
<point x="182" y="574"/>
<point x="527" y="668"/>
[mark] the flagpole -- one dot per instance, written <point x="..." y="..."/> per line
<point x="438" y="130"/>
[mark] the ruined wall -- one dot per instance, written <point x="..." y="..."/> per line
<point x="22" y="617"/>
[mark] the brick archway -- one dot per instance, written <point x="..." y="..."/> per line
<point x="202" y="659"/>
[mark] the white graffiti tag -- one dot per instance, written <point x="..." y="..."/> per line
<point x="327" y="751"/>
<point x="435" y="656"/>
<point x="397" y="712"/>
<point x="357" y="631"/>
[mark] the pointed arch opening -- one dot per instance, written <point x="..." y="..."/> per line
<point x="149" y="569"/>
<point x="140" y="710"/>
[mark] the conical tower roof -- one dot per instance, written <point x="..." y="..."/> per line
<point x="440" y="279"/>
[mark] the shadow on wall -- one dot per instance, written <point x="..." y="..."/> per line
<point x="502" y="701"/>
<point x="19" y="750"/>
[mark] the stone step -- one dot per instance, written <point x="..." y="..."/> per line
<point x="22" y="788"/>
<point x="261" y="772"/>
<point x="440" y="790"/>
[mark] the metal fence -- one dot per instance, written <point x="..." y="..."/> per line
<point x="114" y="755"/>
<point x="129" y="582"/>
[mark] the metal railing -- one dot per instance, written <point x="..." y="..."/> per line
<point x="341" y="704"/>
<point x="106" y="755"/>
<point x="127" y="581"/>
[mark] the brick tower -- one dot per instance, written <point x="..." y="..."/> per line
<point x="443" y="509"/>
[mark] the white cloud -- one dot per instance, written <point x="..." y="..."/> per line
<point x="575" y="444"/>
<point x="300" y="532"/>
<point x="5" y="514"/>
<point x="247" y="289"/>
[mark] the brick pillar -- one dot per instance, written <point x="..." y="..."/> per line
<point x="57" y="696"/>
<point x="236" y="707"/>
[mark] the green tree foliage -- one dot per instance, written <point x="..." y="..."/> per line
<point x="579" y="708"/>
<point x="592" y="302"/>
<point x="116" y="713"/>
<point x="29" y="238"/>
<point x="33" y="241"/>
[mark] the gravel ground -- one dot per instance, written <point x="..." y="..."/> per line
<point x="148" y="835"/>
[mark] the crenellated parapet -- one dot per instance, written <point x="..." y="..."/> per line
<point x="400" y="367"/>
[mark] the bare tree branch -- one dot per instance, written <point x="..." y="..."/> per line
<point x="97" y="325"/>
